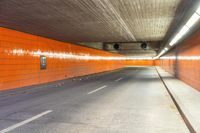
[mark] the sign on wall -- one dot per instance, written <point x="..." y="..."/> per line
<point x="43" y="62"/>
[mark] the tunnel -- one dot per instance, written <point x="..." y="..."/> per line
<point x="99" y="66"/>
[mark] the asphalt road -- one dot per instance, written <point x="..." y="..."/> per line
<point x="131" y="100"/>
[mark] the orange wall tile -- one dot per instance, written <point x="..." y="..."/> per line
<point x="20" y="60"/>
<point x="139" y="63"/>
<point x="184" y="61"/>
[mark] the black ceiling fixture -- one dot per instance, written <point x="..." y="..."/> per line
<point x="143" y="45"/>
<point x="116" y="46"/>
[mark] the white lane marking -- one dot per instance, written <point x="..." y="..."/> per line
<point x="118" y="79"/>
<point x="97" y="89"/>
<point x="24" y="122"/>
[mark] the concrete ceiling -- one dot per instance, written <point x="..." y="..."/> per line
<point x="91" y="20"/>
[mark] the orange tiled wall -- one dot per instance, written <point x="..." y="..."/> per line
<point x="140" y="63"/>
<point x="157" y="62"/>
<point x="184" y="61"/>
<point x="20" y="60"/>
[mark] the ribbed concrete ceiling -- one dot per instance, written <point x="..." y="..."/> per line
<point x="90" y="20"/>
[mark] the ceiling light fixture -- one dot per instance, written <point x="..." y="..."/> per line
<point x="192" y="21"/>
<point x="198" y="10"/>
<point x="185" y="29"/>
<point x="166" y="49"/>
<point x="175" y="39"/>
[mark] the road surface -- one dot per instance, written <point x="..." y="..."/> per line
<point x="130" y="100"/>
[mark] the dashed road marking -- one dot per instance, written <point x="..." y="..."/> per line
<point x="100" y="88"/>
<point x="25" y="122"/>
<point x="118" y="79"/>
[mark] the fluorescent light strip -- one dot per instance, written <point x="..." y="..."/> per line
<point x="191" y="22"/>
<point x="183" y="31"/>
<point x="198" y="11"/>
<point x="195" y="17"/>
<point x="175" y="39"/>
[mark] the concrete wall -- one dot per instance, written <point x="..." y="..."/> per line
<point x="184" y="61"/>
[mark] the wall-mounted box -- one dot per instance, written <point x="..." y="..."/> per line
<point x="43" y="62"/>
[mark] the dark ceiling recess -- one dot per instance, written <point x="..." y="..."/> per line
<point x="132" y="48"/>
<point x="116" y="46"/>
<point x="144" y="45"/>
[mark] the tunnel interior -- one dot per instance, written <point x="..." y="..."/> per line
<point x="69" y="49"/>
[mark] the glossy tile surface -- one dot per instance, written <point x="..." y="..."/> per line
<point x="184" y="61"/>
<point x="20" y="60"/>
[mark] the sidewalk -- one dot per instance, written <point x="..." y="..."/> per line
<point x="187" y="97"/>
